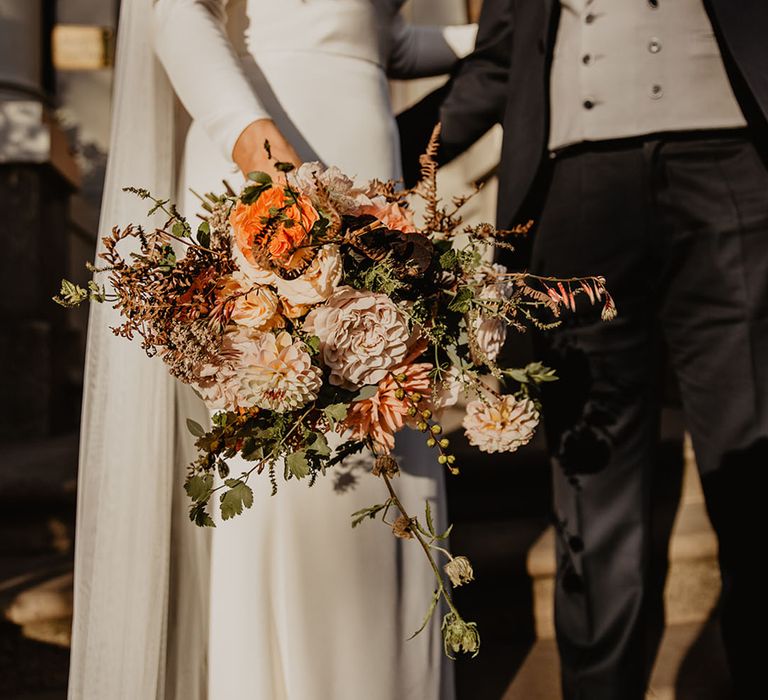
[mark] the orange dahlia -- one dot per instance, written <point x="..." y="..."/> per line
<point x="382" y="415"/>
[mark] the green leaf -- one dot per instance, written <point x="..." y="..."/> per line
<point x="519" y="375"/>
<point x="252" y="450"/>
<point x="448" y="260"/>
<point x="428" y="514"/>
<point x="428" y="616"/>
<point x="366" y="392"/>
<point x="195" y="428"/>
<point x="70" y="295"/>
<point x="369" y="513"/>
<point x="284" y="167"/>
<point x="346" y="449"/>
<point x="233" y="501"/>
<point x="260" y="177"/>
<point x="178" y="229"/>
<point x="462" y="302"/>
<point x="199" y="515"/>
<point x="220" y="418"/>
<point x="540" y="373"/>
<point x="204" y="234"/>
<point x="251" y="193"/>
<point x="96" y="293"/>
<point x="198" y="487"/>
<point x="336" y="412"/>
<point x="297" y="464"/>
<point x="534" y="372"/>
<point x="313" y="343"/>
<point x="319" y="445"/>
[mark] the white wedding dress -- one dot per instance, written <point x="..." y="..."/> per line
<point x="301" y="606"/>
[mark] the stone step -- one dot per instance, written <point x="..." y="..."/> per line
<point x="677" y="674"/>
<point x="693" y="579"/>
<point x="44" y="611"/>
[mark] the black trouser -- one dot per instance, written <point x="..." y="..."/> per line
<point x="679" y="228"/>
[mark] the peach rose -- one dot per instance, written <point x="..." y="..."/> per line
<point x="280" y="240"/>
<point x="256" y="308"/>
<point x="317" y="282"/>
<point x="362" y="336"/>
<point x="390" y="214"/>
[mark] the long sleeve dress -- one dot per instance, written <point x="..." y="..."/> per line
<point x="301" y="606"/>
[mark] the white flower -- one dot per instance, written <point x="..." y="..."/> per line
<point x="318" y="281"/>
<point x="500" y="424"/>
<point x="276" y="373"/>
<point x="362" y="336"/>
<point x="340" y="188"/>
<point x="491" y="331"/>
<point x="448" y="390"/>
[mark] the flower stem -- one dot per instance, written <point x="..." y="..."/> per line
<point x="440" y="585"/>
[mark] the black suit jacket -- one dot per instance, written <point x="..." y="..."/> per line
<point x="506" y="80"/>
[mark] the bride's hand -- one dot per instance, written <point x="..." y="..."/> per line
<point x="250" y="155"/>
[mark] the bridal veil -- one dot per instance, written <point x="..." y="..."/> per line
<point x="128" y="580"/>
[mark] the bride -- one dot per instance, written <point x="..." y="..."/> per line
<point x="286" y="601"/>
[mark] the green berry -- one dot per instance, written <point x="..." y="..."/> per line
<point x="436" y="429"/>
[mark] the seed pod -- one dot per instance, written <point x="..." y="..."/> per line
<point x="459" y="571"/>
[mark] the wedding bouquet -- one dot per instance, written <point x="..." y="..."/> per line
<point x="311" y="305"/>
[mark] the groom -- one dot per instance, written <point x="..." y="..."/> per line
<point x="636" y="131"/>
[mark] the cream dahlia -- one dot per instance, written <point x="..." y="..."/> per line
<point x="362" y="336"/>
<point x="277" y="373"/>
<point x="216" y="388"/>
<point x="500" y="424"/>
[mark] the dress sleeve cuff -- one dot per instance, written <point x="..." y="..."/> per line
<point x="225" y="129"/>
<point x="461" y="38"/>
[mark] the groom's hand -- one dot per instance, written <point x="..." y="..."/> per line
<point x="251" y="155"/>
